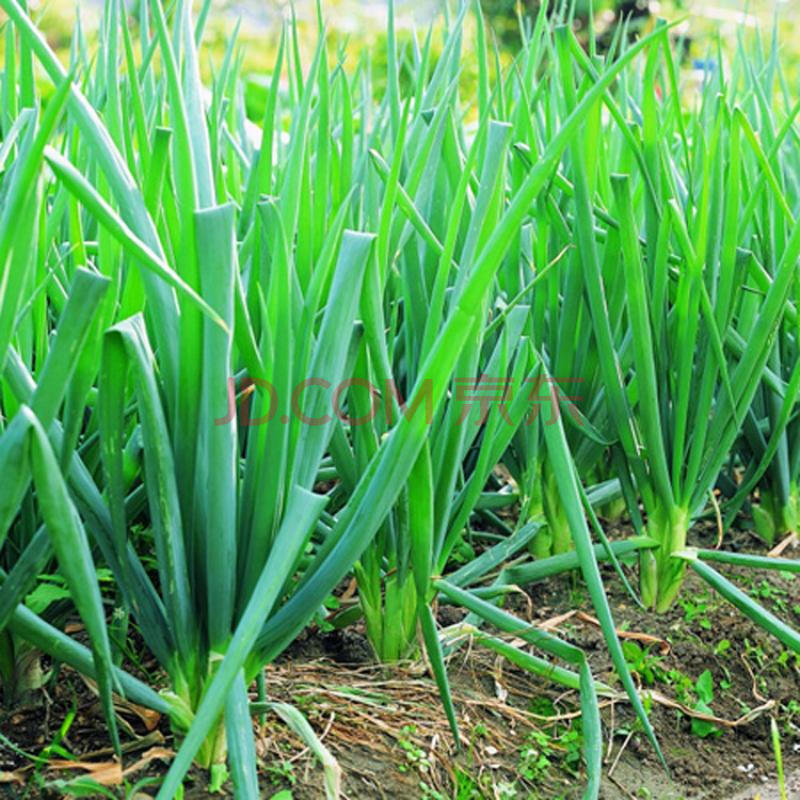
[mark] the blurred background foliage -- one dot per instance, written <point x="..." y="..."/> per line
<point x="361" y="24"/>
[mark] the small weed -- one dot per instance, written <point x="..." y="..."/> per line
<point x="697" y="609"/>
<point x="644" y="662"/>
<point x="415" y="755"/>
<point x="704" y="689"/>
<point x="281" y="772"/>
<point x="535" y="757"/>
<point x="722" y="647"/>
<point x="467" y="787"/>
<point x="771" y="593"/>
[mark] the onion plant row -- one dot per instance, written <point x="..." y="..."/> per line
<point x="383" y="331"/>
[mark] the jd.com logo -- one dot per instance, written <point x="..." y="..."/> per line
<point x="482" y="393"/>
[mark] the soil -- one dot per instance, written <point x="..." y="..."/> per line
<point x="705" y="633"/>
<point x="519" y="733"/>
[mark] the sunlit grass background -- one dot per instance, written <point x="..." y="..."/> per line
<point x="357" y="31"/>
<point x="362" y="23"/>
